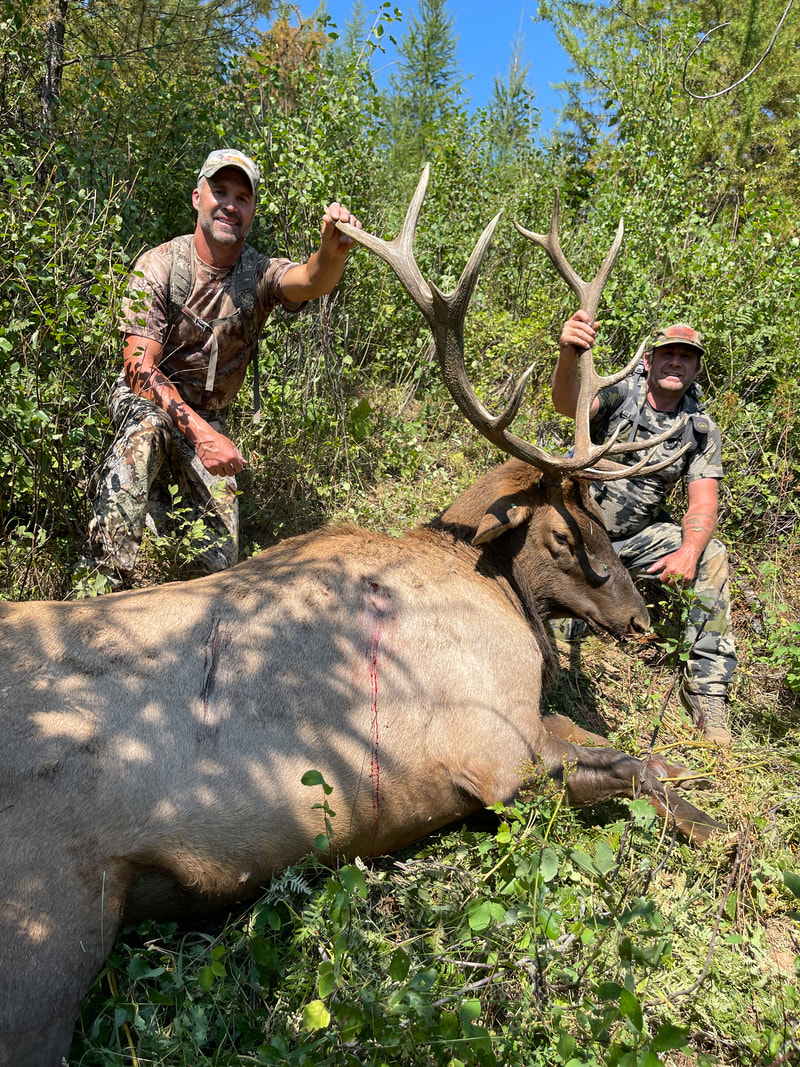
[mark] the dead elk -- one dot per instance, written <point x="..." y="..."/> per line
<point x="153" y="741"/>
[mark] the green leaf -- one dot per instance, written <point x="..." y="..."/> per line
<point x="792" y="882"/>
<point x="469" y="1011"/>
<point x="326" y="980"/>
<point x="669" y="1036"/>
<point x="315" y="778"/>
<point x="448" y="1026"/>
<point x="631" y="1009"/>
<point x="353" y="880"/>
<point x="548" y="865"/>
<point x="315" y="1016"/>
<point x="399" y="966"/>
<point x="604" y="858"/>
<point x="479" y="915"/>
<point x="609" y="991"/>
<point x="548" y="922"/>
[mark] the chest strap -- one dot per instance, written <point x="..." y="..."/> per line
<point x="243" y="294"/>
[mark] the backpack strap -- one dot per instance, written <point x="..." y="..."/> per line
<point x="243" y="294"/>
<point x="181" y="276"/>
<point x="630" y="411"/>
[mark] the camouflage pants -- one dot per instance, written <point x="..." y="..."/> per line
<point x="147" y="455"/>
<point x="709" y="635"/>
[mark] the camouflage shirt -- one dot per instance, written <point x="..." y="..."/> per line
<point x="187" y="348"/>
<point x="631" y="504"/>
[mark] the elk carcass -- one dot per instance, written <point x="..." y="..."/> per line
<point x="152" y="742"/>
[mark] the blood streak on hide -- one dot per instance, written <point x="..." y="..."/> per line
<point x="377" y="605"/>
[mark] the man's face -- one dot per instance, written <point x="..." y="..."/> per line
<point x="672" y="368"/>
<point x="225" y="206"/>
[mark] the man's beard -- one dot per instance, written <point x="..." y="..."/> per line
<point x="220" y="233"/>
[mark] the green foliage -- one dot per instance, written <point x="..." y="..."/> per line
<point x="61" y="276"/>
<point x="425" y="92"/>
<point x="781" y="651"/>
<point x="524" y="937"/>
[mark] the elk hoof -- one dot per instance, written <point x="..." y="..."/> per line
<point x="677" y="776"/>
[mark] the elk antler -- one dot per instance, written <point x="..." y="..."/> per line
<point x="591" y="456"/>
<point x="445" y="315"/>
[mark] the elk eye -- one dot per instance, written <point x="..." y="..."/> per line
<point x="562" y="538"/>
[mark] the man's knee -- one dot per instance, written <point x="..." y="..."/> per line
<point x="713" y="565"/>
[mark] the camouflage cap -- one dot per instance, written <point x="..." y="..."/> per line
<point x="230" y="157"/>
<point x="679" y="334"/>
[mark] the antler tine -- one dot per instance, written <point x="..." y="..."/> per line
<point x="399" y="252"/>
<point x="614" y="472"/>
<point x="588" y="293"/>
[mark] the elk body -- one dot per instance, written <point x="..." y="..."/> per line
<point x="152" y="742"/>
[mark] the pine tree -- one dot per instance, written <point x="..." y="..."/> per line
<point x="426" y="91"/>
<point x="513" y="118"/>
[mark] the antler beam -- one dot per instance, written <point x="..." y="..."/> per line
<point x="445" y="314"/>
<point x="590" y="456"/>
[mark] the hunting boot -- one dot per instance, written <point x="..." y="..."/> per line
<point x="709" y="714"/>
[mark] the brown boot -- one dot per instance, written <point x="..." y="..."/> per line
<point x="710" y="716"/>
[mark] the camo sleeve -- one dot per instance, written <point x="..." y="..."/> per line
<point x="144" y="306"/>
<point x="611" y="398"/>
<point x="706" y="462"/>
<point x="269" y="285"/>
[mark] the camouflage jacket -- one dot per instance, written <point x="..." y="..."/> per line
<point x="631" y="504"/>
<point x="147" y="312"/>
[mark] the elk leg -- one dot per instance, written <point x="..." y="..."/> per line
<point x="674" y="774"/>
<point x="567" y="730"/>
<point x="56" y="933"/>
<point x="593" y="774"/>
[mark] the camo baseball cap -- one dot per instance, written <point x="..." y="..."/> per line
<point x="230" y="157"/>
<point x="679" y="334"/>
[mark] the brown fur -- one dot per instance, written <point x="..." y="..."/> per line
<point x="152" y="742"/>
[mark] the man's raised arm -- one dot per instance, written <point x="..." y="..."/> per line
<point x="578" y="334"/>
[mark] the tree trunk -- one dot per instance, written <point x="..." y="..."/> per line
<point x="50" y="93"/>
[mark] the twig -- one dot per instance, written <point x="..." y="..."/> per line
<point x="722" y="25"/>
<point x="737" y="863"/>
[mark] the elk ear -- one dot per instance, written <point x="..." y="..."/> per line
<point x="501" y="517"/>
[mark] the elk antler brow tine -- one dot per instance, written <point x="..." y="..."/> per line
<point x="614" y="472"/>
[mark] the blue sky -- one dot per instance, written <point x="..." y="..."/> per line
<point x="486" y="32"/>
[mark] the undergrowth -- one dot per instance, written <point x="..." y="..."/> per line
<point x="532" y="934"/>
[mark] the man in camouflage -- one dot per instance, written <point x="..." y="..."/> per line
<point x="185" y="360"/>
<point x="646" y="539"/>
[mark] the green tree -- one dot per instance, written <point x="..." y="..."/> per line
<point x="513" y="116"/>
<point x="739" y="132"/>
<point x="426" y="91"/>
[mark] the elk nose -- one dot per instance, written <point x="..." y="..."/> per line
<point x="640" y="622"/>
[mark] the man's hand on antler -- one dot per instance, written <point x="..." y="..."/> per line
<point x="578" y="334"/>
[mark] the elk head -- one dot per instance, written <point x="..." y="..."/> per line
<point x="534" y="515"/>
